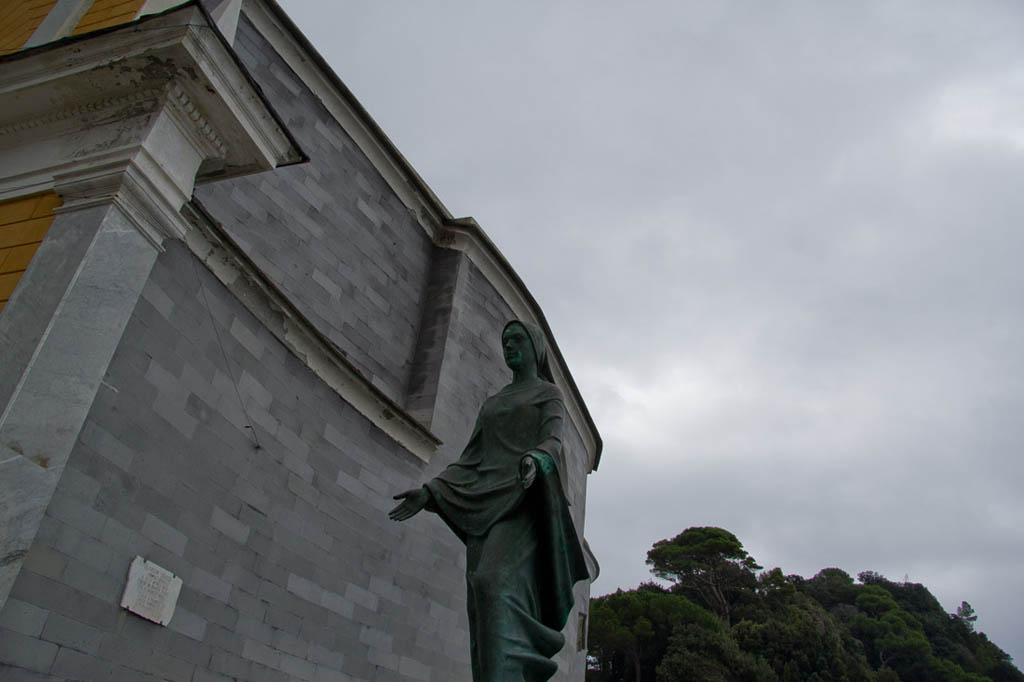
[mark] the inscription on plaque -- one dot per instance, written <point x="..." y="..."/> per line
<point x="151" y="591"/>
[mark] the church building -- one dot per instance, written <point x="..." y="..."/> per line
<point x="234" y="322"/>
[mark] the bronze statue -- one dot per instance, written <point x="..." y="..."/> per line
<point x="505" y="501"/>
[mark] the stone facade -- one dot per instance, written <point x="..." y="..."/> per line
<point x="232" y="382"/>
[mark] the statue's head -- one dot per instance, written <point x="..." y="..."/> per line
<point x="517" y="347"/>
<point x="523" y="346"/>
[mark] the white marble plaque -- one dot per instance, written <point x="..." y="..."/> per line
<point x="151" y="592"/>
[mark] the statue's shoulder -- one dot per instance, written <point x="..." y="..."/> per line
<point x="549" y="391"/>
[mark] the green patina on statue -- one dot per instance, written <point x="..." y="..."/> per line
<point x="504" y="499"/>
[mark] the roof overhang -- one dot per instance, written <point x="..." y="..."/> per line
<point x="87" y="81"/>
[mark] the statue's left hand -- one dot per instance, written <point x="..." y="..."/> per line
<point x="413" y="501"/>
<point x="527" y="470"/>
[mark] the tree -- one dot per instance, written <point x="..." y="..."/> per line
<point x="966" y="615"/>
<point x="891" y="632"/>
<point x="707" y="563"/>
<point x="700" y="654"/>
<point x="831" y="587"/>
<point x="774" y="627"/>
<point x="800" y="640"/>
<point x="630" y="631"/>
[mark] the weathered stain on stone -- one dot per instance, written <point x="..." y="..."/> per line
<point x="13" y="557"/>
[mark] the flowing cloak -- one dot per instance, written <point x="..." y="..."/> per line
<point x="482" y="489"/>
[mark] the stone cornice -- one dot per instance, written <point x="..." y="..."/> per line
<point x="76" y="111"/>
<point x="198" y="126"/>
<point x="180" y="53"/>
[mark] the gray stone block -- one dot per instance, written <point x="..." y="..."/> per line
<point x="188" y="624"/>
<point x="288" y="623"/>
<point x="56" y="597"/>
<point x="26" y="652"/>
<point x="46" y="562"/>
<point x="78" y="485"/>
<point x="247" y="604"/>
<point x="76" y="515"/>
<point x="410" y="667"/>
<point x="261" y="653"/>
<point x="72" y="634"/>
<point x="209" y="584"/>
<point x="107" y="445"/>
<point x="93" y="553"/>
<point x="324" y="674"/>
<point x="361" y="596"/>
<point x="262" y="673"/>
<point x="164" y="535"/>
<point x="211" y="610"/>
<point x="22" y="617"/>
<point x="289" y="644"/>
<point x="88" y="580"/>
<point x="229" y="525"/>
<point x="74" y="665"/>
<point x="147" y="660"/>
<point x="9" y="673"/>
<point x="248" y="340"/>
<point x="209" y="676"/>
<point x="298" y="668"/>
<point x="231" y="664"/>
<point x="255" y="629"/>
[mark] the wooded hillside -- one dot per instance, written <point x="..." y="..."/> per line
<point x="724" y="619"/>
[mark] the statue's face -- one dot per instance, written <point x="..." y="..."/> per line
<point x="517" y="347"/>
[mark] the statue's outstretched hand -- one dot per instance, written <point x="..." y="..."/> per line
<point x="413" y="501"/>
<point x="527" y="470"/>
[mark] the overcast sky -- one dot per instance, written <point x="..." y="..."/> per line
<point x="778" y="243"/>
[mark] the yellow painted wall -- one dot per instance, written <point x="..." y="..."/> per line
<point x="23" y="224"/>
<point x="19" y="19"/>
<point x="106" y="13"/>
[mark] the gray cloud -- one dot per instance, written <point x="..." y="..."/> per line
<point x="778" y="244"/>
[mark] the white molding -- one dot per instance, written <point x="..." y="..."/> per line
<point x="131" y="186"/>
<point x="76" y="111"/>
<point x="196" y="127"/>
<point x="176" y="46"/>
<point x="276" y="313"/>
<point x="251" y="123"/>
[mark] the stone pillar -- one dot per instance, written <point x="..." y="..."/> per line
<point x="55" y="388"/>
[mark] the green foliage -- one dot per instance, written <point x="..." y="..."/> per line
<point x="707" y="564"/>
<point x="799" y="639"/>
<point x="831" y="586"/>
<point x="710" y="655"/>
<point x="630" y="631"/>
<point x="965" y="614"/>
<point x="772" y="627"/>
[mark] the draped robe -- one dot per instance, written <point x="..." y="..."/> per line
<point x="523" y="555"/>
